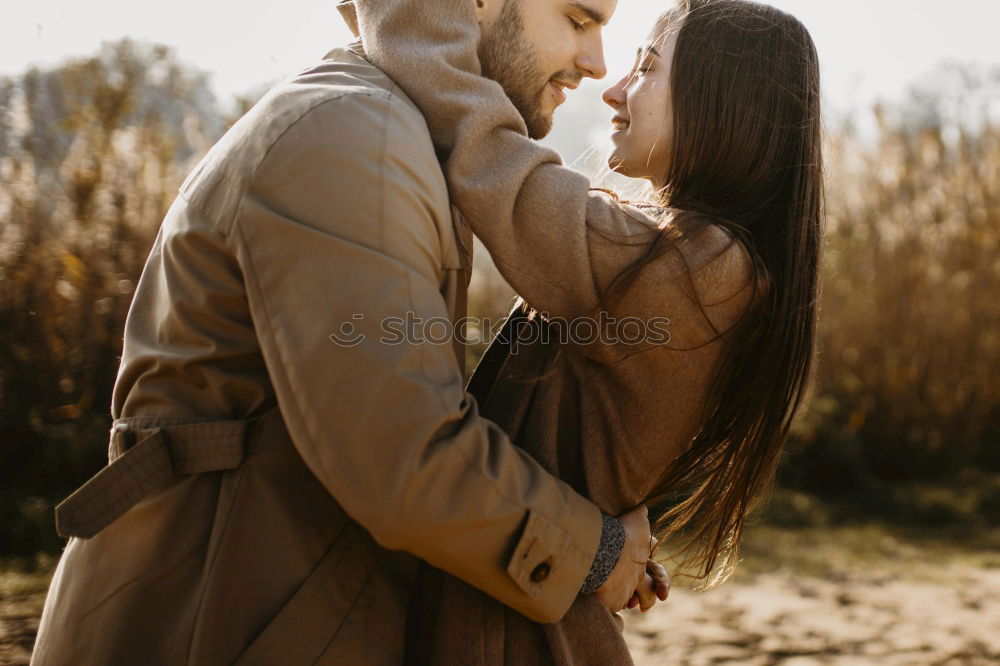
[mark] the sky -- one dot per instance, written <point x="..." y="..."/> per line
<point x="869" y="49"/>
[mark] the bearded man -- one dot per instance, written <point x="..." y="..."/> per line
<point x="277" y="466"/>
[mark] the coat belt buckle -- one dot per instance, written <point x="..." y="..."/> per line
<point x="122" y="439"/>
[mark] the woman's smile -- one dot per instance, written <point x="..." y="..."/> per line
<point x="643" y="118"/>
<point x="619" y="124"/>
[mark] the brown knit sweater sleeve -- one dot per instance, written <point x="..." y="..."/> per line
<point x="537" y="218"/>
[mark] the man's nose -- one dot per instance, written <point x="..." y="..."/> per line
<point x="591" y="58"/>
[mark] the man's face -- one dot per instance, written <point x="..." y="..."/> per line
<point x="536" y="48"/>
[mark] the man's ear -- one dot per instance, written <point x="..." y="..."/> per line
<point x="487" y="11"/>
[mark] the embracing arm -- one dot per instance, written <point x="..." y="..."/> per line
<point x="536" y="217"/>
<point x="339" y="226"/>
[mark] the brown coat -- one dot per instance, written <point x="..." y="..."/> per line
<point x="270" y="491"/>
<point x="607" y="416"/>
<point x="610" y="424"/>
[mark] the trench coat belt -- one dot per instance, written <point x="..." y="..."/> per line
<point x="141" y="459"/>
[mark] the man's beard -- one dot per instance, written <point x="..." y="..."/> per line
<point x="508" y="58"/>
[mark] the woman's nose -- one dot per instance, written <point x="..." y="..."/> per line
<point x="615" y="95"/>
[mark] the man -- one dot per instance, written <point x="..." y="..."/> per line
<point x="278" y="463"/>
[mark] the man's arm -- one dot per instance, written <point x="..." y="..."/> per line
<point x="338" y="227"/>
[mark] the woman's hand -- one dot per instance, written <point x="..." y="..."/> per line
<point x="654" y="585"/>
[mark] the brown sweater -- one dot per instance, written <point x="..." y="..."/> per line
<point x="609" y="418"/>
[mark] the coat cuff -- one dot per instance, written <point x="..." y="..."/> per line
<point x="550" y="564"/>
<point x="608" y="553"/>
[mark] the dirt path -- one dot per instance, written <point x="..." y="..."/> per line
<point x="792" y="620"/>
<point x="848" y="597"/>
<point x="21" y="599"/>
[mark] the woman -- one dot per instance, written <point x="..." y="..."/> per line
<point x="720" y="113"/>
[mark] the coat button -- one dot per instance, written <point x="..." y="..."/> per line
<point x="540" y="572"/>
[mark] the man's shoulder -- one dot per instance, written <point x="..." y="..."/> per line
<point x="347" y="103"/>
<point x="343" y="72"/>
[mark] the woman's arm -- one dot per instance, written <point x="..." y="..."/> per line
<point x="537" y="218"/>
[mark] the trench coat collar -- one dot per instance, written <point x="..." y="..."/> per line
<point x="350" y="15"/>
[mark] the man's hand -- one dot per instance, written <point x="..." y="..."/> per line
<point x="630" y="571"/>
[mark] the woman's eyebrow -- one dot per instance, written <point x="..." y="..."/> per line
<point x="648" y="47"/>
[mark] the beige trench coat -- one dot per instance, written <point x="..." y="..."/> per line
<point x="271" y="489"/>
<point x="608" y="415"/>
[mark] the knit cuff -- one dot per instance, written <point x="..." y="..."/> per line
<point x="608" y="552"/>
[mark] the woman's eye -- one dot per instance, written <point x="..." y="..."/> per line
<point x="642" y="71"/>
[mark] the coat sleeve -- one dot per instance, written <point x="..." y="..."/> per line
<point x="340" y="242"/>
<point x="537" y="218"/>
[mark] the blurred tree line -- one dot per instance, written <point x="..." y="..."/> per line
<point x="906" y="397"/>
<point x="92" y="153"/>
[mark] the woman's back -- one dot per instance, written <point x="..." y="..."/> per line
<point x="609" y="405"/>
<point x="608" y="417"/>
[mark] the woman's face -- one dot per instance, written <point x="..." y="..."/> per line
<point x="643" y="121"/>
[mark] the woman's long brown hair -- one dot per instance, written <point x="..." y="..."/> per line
<point x="746" y="155"/>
